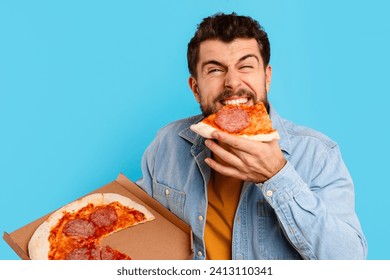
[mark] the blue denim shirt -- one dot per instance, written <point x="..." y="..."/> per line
<point x="306" y="211"/>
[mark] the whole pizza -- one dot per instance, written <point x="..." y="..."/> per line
<point x="75" y="231"/>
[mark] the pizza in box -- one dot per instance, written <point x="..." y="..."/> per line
<point x="75" y="231"/>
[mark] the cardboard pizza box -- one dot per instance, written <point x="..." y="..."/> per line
<point x="164" y="238"/>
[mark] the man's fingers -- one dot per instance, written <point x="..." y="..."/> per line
<point x="239" y="144"/>
<point x="223" y="154"/>
<point x="225" y="170"/>
<point x="231" y="140"/>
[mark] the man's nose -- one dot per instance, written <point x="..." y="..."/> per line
<point x="232" y="80"/>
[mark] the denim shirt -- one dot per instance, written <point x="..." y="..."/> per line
<point x="306" y="211"/>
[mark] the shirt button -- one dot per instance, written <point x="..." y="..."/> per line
<point x="200" y="218"/>
<point x="269" y="193"/>
<point x="167" y="192"/>
<point x="200" y="253"/>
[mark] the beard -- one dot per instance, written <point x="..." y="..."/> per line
<point x="208" y="109"/>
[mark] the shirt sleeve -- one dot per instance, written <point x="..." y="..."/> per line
<point x="318" y="217"/>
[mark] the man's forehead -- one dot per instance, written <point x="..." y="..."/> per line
<point x="237" y="47"/>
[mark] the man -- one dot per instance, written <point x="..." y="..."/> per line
<point x="286" y="199"/>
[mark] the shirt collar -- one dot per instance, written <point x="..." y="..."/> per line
<point x="193" y="137"/>
<point x="277" y="123"/>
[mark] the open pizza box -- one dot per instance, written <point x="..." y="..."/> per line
<point x="164" y="238"/>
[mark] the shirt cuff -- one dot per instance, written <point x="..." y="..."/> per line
<point x="283" y="186"/>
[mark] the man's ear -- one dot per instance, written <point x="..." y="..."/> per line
<point x="268" y="77"/>
<point x="194" y="87"/>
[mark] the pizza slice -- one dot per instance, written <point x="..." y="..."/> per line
<point x="251" y="122"/>
<point x="75" y="231"/>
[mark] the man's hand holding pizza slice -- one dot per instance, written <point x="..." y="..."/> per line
<point x="245" y="159"/>
<point x="245" y="144"/>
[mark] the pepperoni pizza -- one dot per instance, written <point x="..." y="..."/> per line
<point x="75" y="231"/>
<point x="251" y="122"/>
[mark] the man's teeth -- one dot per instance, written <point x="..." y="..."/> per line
<point x="235" y="101"/>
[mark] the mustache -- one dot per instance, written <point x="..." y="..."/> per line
<point x="240" y="93"/>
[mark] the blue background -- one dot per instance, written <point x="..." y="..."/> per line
<point x="85" y="85"/>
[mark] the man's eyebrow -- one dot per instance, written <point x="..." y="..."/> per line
<point x="248" y="56"/>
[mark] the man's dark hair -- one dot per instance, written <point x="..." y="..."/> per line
<point x="227" y="27"/>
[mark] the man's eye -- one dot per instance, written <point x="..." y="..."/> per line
<point x="214" y="70"/>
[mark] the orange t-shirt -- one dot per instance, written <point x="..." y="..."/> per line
<point x="223" y="197"/>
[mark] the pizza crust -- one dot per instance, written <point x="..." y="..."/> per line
<point x="39" y="246"/>
<point x="206" y="130"/>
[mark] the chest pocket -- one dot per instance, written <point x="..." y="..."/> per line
<point x="170" y="198"/>
<point x="272" y="243"/>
